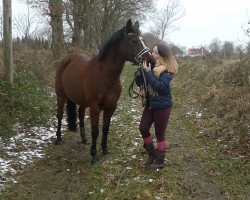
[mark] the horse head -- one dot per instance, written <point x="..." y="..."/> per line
<point x="134" y="48"/>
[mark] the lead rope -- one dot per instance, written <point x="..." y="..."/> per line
<point x="134" y="94"/>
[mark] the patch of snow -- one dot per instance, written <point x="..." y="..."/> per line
<point x="150" y="180"/>
<point x="196" y="114"/>
<point x="128" y="168"/>
<point x="23" y="148"/>
<point x="102" y="190"/>
<point x="135" y="143"/>
<point x="137" y="178"/>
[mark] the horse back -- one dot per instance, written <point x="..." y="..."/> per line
<point x="77" y="58"/>
<point x="69" y="74"/>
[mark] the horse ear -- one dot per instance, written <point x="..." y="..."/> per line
<point x="129" y="26"/>
<point x="136" y="27"/>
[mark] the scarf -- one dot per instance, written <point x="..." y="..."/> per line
<point x="159" y="68"/>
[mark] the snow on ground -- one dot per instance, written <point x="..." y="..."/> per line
<point x="30" y="143"/>
<point x="23" y="148"/>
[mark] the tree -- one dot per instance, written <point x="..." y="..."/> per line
<point x="90" y="28"/>
<point x="53" y="9"/>
<point x="1" y="24"/>
<point x="56" y="12"/>
<point x="228" y="50"/>
<point x="165" y="18"/>
<point x="176" y="50"/>
<point x="85" y="28"/>
<point x="246" y="27"/>
<point x="151" y="40"/>
<point x="78" y="18"/>
<point x="81" y="12"/>
<point x="28" y="22"/>
<point x="7" y="41"/>
<point x="111" y="15"/>
<point x="248" y="50"/>
<point x="215" y="48"/>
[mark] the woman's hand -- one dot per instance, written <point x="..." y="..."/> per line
<point x="145" y="67"/>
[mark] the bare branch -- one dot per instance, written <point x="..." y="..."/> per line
<point x="166" y="17"/>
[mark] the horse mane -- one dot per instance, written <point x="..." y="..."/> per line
<point x="116" y="37"/>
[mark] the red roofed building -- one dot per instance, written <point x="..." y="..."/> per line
<point x="193" y="52"/>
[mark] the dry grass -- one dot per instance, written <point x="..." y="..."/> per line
<point x="222" y="92"/>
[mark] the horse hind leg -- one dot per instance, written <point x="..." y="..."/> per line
<point x="60" y="106"/>
<point x="81" y="115"/>
<point x="71" y="111"/>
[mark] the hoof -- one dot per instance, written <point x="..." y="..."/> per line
<point x="85" y="141"/>
<point x="95" y="161"/>
<point x="105" y="152"/>
<point x="58" y="142"/>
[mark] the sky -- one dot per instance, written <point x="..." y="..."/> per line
<point x="204" y="21"/>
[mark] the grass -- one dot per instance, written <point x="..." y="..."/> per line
<point x="220" y="130"/>
<point x="26" y="102"/>
<point x="195" y="166"/>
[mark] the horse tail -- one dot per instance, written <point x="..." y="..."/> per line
<point x="71" y="111"/>
<point x="60" y="67"/>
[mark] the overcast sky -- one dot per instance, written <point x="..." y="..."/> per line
<point x="209" y="19"/>
<point x="205" y="20"/>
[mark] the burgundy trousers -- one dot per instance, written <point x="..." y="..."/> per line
<point x="160" y="119"/>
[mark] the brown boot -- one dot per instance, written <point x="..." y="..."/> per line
<point x="159" y="160"/>
<point x="150" y="149"/>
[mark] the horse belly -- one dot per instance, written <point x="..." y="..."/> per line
<point x="73" y="86"/>
<point x="111" y="99"/>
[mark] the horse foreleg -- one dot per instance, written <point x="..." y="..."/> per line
<point x="60" y="105"/>
<point x="105" y="130"/>
<point x="94" y="118"/>
<point x="81" y="113"/>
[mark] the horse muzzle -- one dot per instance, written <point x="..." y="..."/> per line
<point x="140" y="56"/>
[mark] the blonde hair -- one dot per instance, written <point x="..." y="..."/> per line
<point x="169" y="59"/>
<point x="171" y="65"/>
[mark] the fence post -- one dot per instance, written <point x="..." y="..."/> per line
<point x="7" y="42"/>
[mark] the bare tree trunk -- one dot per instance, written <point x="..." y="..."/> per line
<point x="56" y="12"/>
<point x="7" y="42"/>
<point x="87" y="44"/>
<point x="79" y="15"/>
<point x="76" y="28"/>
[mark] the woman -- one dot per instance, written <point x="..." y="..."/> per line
<point x="158" y="103"/>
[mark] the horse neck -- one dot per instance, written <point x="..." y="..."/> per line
<point x="113" y="65"/>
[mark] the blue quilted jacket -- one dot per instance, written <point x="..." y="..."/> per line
<point x="162" y="86"/>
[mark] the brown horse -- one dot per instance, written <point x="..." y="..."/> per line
<point x="95" y="83"/>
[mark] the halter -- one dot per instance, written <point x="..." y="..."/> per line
<point x="138" y="61"/>
<point x="138" y="57"/>
<point x="132" y="93"/>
